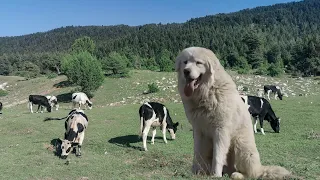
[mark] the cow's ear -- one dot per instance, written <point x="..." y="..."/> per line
<point x="59" y="141"/>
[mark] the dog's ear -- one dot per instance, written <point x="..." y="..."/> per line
<point x="210" y="66"/>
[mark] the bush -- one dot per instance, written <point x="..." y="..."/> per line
<point x="116" y="63"/>
<point x="84" y="70"/>
<point x="243" y="71"/>
<point x="275" y="70"/>
<point x="262" y="69"/>
<point x="245" y="88"/>
<point x="3" y="93"/>
<point x="153" y="88"/>
<point x="52" y="75"/>
<point x="164" y="61"/>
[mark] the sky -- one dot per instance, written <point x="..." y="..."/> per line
<point x="20" y="17"/>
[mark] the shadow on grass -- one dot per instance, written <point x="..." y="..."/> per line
<point x="62" y="84"/>
<point x="125" y="141"/>
<point x="65" y="97"/>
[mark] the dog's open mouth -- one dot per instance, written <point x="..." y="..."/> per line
<point x="191" y="85"/>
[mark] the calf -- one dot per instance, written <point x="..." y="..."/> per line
<point x="75" y="125"/>
<point x="81" y="98"/>
<point x="274" y="90"/>
<point x="260" y="108"/>
<point x="0" y="107"/>
<point x="40" y="101"/>
<point x="153" y="114"/>
<point x="53" y="101"/>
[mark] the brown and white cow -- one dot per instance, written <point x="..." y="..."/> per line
<point x="75" y="126"/>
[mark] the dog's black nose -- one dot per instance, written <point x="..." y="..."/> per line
<point x="186" y="72"/>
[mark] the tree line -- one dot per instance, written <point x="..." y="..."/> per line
<point x="266" y="40"/>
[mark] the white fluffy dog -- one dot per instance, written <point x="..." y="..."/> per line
<point x="222" y="128"/>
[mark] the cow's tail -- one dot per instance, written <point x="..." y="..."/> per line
<point x="266" y="172"/>
<point x="141" y="114"/>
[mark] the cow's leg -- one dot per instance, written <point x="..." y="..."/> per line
<point x="145" y="132"/>
<point x="38" y="108"/>
<point x="154" y="131"/>
<point x="275" y="96"/>
<point x="221" y="145"/>
<point x="141" y="127"/>
<point x="81" y="137"/>
<point x="269" y="91"/>
<point x="79" y="106"/>
<point x="41" y="109"/>
<point x="261" y="118"/>
<point x="255" y="124"/>
<point x="30" y="106"/>
<point x="164" y="130"/>
<point x="57" y="107"/>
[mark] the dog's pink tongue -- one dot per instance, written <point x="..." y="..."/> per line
<point x="189" y="88"/>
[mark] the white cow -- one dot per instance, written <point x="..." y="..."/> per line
<point x="81" y="98"/>
<point x="53" y="101"/>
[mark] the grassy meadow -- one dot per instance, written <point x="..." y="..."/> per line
<point x="111" y="148"/>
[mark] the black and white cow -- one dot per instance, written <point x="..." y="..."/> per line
<point x="75" y="125"/>
<point x="1" y="107"/>
<point x="53" y="101"/>
<point x="81" y="98"/>
<point x="153" y="114"/>
<point x="41" y="101"/>
<point x="274" y="90"/>
<point x="260" y="108"/>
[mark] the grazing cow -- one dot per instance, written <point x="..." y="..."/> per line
<point x="0" y="107"/>
<point x="75" y="126"/>
<point x="153" y="114"/>
<point x="260" y="108"/>
<point x="40" y="101"/>
<point x="53" y="101"/>
<point x="274" y="90"/>
<point x="81" y="98"/>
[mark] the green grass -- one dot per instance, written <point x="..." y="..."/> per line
<point x="111" y="148"/>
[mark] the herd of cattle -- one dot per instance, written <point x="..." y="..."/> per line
<point x="152" y="115"/>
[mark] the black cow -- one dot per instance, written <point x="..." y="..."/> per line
<point x="40" y="101"/>
<point x="153" y="114"/>
<point x="274" y="90"/>
<point x="0" y="107"/>
<point x="75" y="125"/>
<point x="260" y="108"/>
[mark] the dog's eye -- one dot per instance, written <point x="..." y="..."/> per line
<point x="185" y="62"/>
<point x="198" y="62"/>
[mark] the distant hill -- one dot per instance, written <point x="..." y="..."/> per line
<point x="262" y="35"/>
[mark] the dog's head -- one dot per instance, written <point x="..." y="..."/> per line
<point x="195" y="65"/>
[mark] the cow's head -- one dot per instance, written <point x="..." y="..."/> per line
<point x="275" y="124"/>
<point x="89" y="104"/>
<point x="66" y="147"/>
<point x="49" y="108"/>
<point x="173" y="130"/>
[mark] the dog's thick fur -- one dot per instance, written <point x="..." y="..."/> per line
<point x="222" y="128"/>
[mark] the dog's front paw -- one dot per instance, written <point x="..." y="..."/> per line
<point x="237" y="175"/>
